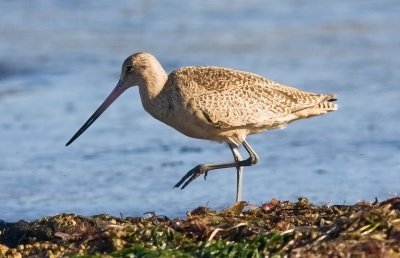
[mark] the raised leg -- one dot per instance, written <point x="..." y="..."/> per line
<point x="204" y="168"/>
<point x="253" y="159"/>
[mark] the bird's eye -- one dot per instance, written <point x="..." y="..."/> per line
<point x="129" y="68"/>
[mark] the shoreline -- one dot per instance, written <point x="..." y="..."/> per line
<point x="274" y="228"/>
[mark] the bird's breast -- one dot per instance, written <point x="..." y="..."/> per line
<point x="184" y="120"/>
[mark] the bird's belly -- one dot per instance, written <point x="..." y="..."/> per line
<point x="192" y="128"/>
<point x="195" y="128"/>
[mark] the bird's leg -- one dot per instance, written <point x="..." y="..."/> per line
<point x="236" y="156"/>
<point x="204" y="168"/>
<point x="253" y="157"/>
<point x="239" y="172"/>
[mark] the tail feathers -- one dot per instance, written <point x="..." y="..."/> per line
<point x="323" y="107"/>
<point x="328" y="103"/>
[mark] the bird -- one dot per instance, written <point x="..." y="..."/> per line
<point x="214" y="103"/>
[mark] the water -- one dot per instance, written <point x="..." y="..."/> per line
<point x="59" y="60"/>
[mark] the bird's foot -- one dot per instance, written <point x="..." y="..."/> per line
<point x="192" y="175"/>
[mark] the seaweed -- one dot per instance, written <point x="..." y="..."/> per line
<point x="273" y="229"/>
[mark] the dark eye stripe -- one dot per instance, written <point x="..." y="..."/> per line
<point x="129" y="68"/>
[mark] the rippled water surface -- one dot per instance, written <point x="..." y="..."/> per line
<point x="60" y="59"/>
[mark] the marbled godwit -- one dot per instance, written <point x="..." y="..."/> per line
<point x="214" y="103"/>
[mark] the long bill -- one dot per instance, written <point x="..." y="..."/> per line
<point x="117" y="91"/>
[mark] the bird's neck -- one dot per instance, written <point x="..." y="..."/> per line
<point x="151" y="86"/>
<point x="153" y="82"/>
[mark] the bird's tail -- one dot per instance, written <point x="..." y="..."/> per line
<point x="326" y="105"/>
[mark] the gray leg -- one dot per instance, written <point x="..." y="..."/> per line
<point x="239" y="172"/>
<point x="204" y="168"/>
<point x="253" y="159"/>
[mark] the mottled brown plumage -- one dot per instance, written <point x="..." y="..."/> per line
<point x="215" y="103"/>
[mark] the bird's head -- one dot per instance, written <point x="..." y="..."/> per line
<point x="137" y="69"/>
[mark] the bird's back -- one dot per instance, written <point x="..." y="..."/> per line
<point x="227" y="89"/>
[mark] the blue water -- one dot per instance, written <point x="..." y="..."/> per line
<point x="60" y="59"/>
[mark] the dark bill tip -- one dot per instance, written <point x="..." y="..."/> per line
<point x="118" y="90"/>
